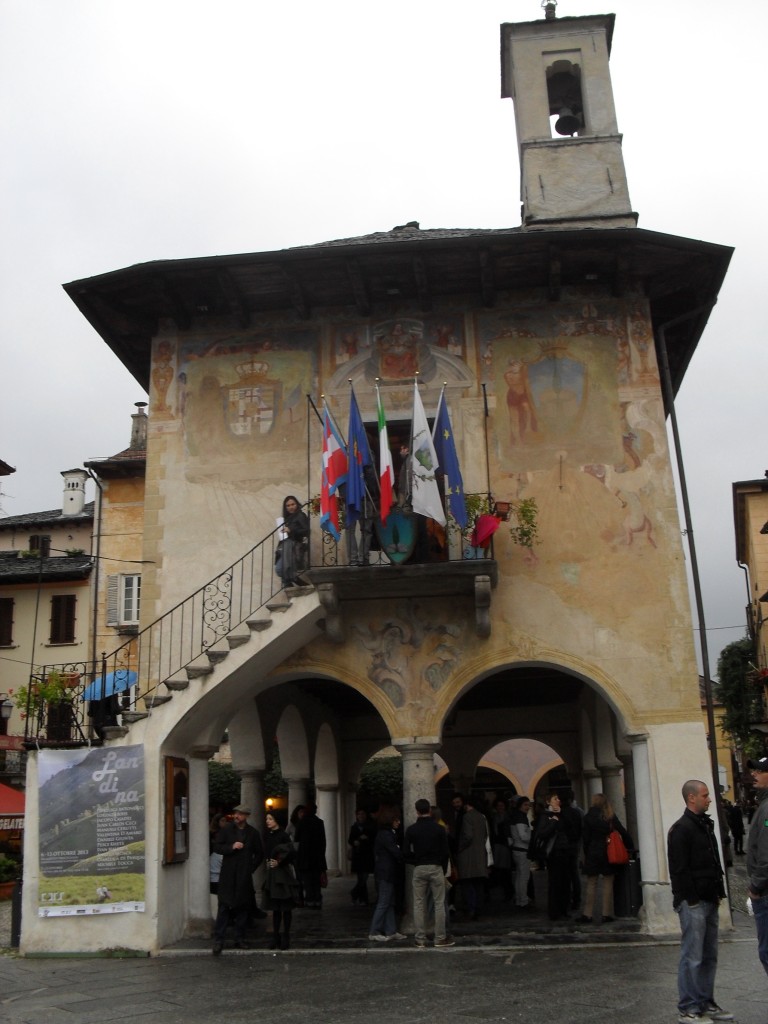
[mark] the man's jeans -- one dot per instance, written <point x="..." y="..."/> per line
<point x="428" y="878"/>
<point x="698" y="956"/>
<point x="760" y="907"/>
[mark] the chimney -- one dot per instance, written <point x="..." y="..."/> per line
<point x="73" y="500"/>
<point x="139" y="428"/>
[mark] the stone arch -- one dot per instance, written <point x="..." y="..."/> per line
<point x="473" y="673"/>
<point x="523" y="761"/>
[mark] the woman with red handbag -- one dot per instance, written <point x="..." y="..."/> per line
<point x="599" y="825"/>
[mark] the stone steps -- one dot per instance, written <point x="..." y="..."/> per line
<point x="206" y="664"/>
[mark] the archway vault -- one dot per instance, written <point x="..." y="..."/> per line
<point x="557" y="663"/>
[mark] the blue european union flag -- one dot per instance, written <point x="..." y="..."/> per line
<point x="448" y="460"/>
<point x="359" y="457"/>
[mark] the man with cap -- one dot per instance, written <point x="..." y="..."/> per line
<point x="757" y="857"/>
<point x="240" y="846"/>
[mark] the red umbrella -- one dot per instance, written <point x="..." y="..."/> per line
<point x="485" y="527"/>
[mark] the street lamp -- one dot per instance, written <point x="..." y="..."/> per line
<point x="6" y="707"/>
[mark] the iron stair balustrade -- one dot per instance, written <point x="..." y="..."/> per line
<point x="180" y="636"/>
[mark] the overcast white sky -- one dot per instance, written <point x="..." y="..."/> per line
<point x="136" y="130"/>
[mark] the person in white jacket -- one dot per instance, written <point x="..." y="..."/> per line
<point x="520" y="829"/>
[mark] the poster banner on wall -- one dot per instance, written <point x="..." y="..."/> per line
<point x="91" y="808"/>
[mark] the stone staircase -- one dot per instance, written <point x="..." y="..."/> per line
<point x="255" y="636"/>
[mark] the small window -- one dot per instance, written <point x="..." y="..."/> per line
<point x="130" y="598"/>
<point x="63" y="619"/>
<point x="6" y="621"/>
<point x="41" y="543"/>
<point x="123" y="599"/>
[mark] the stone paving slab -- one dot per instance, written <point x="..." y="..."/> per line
<point x="576" y="985"/>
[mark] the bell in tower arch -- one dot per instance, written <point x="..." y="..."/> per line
<point x="564" y="95"/>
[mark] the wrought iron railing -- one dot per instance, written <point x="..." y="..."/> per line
<point x="72" y="702"/>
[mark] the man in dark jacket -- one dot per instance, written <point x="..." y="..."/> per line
<point x="757" y="857"/>
<point x="240" y="846"/>
<point x="310" y="860"/>
<point x="426" y="847"/>
<point x="697" y="888"/>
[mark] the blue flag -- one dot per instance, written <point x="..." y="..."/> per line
<point x="359" y="458"/>
<point x="448" y="460"/>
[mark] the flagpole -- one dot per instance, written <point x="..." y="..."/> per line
<point x="487" y="458"/>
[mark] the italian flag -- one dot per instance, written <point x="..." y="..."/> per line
<point x="386" y="471"/>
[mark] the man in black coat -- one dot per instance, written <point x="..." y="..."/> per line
<point x="696" y="875"/>
<point x="240" y="846"/>
<point x="426" y="847"/>
<point x="310" y="860"/>
<point x="757" y="857"/>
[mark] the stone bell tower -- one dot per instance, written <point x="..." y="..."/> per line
<point x="571" y="164"/>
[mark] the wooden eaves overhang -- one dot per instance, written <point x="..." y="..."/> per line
<point x="406" y="266"/>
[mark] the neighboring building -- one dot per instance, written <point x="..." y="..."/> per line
<point x="119" y="537"/>
<point x="750" y="515"/>
<point x="553" y="341"/>
<point x="45" y="607"/>
<point x="730" y="772"/>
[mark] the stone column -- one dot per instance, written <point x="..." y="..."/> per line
<point x="327" y="809"/>
<point x="418" y="775"/>
<point x="630" y="794"/>
<point x="418" y="783"/>
<point x="593" y="784"/>
<point x="656" y="912"/>
<point x="612" y="787"/>
<point x="297" y="793"/>
<point x="252" y="795"/>
<point x="198" y="864"/>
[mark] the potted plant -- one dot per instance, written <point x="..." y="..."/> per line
<point x="50" y="697"/>
<point x="9" y="872"/>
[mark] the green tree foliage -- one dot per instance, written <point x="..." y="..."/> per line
<point x="740" y="694"/>
<point x="381" y="782"/>
<point x="223" y="785"/>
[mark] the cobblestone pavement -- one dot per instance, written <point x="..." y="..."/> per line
<point x="567" y="976"/>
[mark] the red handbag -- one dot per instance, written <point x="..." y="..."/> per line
<point x="617" y="851"/>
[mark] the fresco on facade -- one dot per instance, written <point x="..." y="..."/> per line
<point x="407" y="655"/>
<point x="246" y="393"/>
<point x="579" y="426"/>
<point x="396" y="349"/>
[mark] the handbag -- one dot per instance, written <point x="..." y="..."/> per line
<point x="617" y="851"/>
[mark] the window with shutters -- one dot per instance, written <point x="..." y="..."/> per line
<point x="6" y="621"/>
<point x="123" y="599"/>
<point x="63" y="619"/>
<point x="40" y="543"/>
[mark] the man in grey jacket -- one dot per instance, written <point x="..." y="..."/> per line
<point x="757" y="857"/>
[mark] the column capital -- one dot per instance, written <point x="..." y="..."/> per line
<point x="612" y="768"/>
<point x="325" y="787"/>
<point x="204" y="752"/>
<point x="250" y="773"/>
<point x="636" y="738"/>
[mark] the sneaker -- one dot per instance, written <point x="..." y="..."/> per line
<point x="399" y="935"/>
<point x="421" y="943"/>
<point x="694" y="1018"/>
<point x="377" y="938"/>
<point x="447" y="941"/>
<point x="717" y="1012"/>
<point x="217" y="948"/>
